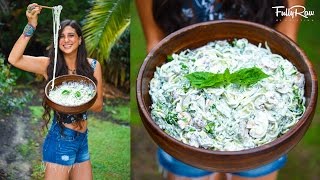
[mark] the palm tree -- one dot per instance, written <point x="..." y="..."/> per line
<point x="103" y="26"/>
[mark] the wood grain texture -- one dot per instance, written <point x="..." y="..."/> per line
<point x="70" y="109"/>
<point x="198" y="35"/>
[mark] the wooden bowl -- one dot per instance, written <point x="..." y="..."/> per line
<point x="198" y="35"/>
<point x="70" y="109"/>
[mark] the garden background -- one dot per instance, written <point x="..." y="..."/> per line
<point x="106" y="30"/>
<point x="304" y="159"/>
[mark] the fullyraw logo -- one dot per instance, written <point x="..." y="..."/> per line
<point x="293" y="11"/>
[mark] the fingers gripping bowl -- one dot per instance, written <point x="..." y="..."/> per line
<point x="72" y="94"/>
<point x="196" y="36"/>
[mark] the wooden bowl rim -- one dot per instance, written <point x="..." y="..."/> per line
<point x="69" y="75"/>
<point x="314" y="87"/>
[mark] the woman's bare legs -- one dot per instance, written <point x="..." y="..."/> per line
<point x="272" y="176"/>
<point x="55" y="171"/>
<point x="81" y="171"/>
<point x="223" y="176"/>
<point x="213" y="176"/>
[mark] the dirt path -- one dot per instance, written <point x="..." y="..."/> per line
<point x="14" y="133"/>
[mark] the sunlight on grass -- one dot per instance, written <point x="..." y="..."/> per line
<point x="120" y="112"/>
<point x="109" y="147"/>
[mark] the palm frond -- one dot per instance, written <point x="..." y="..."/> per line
<point x="104" y="24"/>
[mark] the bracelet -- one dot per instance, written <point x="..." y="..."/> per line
<point x="28" y="30"/>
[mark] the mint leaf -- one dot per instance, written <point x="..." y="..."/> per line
<point x="78" y="94"/>
<point x="65" y="92"/>
<point x="247" y="76"/>
<point x="205" y="79"/>
<point x="183" y="66"/>
<point x="243" y="77"/>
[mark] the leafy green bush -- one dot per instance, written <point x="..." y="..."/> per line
<point x="9" y="100"/>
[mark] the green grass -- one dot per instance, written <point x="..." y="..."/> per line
<point x="38" y="169"/>
<point x="36" y="112"/>
<point x="26" y="149"/>
<point x="109" y="147"/>
<point x="120" y="112"/>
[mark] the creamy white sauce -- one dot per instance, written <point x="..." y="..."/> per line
<point x="72" y="93"/>
<point x="233" y="117"/>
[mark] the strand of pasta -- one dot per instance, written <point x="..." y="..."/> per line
<point x="56" y="11"/>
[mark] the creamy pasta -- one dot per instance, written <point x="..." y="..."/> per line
<point x="232" y="117"/>
<point x="72" y="93"/>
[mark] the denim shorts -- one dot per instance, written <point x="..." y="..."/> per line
<point x="65" y="148"/>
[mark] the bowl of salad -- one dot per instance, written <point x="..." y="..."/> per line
<point x="72" y="94"/>
<point x="226" y="95"/>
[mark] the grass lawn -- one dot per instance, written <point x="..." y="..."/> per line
<point x="304" y="159"/>
<point x="120" y="111"/>
<point x="109" y="147"/>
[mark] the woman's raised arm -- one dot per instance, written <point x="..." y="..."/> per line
<point x="28" y="63"/>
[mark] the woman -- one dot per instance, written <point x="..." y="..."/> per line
<point x="65" y="150"/>
<point x="159" y="18"/>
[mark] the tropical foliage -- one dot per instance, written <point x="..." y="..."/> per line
<point x="107" y="38"/>
<point x="9" y="100"/>
<point x="104" y="25"/>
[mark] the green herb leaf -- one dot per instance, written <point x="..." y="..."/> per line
<point x="183" y="66"/>
<point x="171" y="118"/>
<point x="206" y="79"/>
<point x="78" y="94"/>
<point x="209" y="127"/>
<point x="169" y="58"/>
<point x="247" y="76"/>
<point x="243" y="77"/>
<point x="65" y="92"/>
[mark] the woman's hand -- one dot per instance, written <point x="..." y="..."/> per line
<point x="32" y="14"/>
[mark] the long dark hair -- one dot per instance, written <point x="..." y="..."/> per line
<point x="82" y="66"/>
<point x="169" y="17"/>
